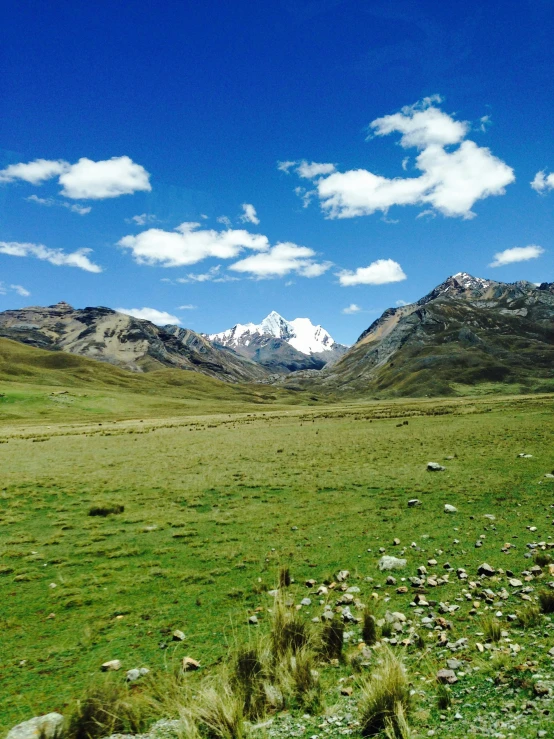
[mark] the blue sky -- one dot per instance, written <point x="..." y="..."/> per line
<point x="429" y="122"/>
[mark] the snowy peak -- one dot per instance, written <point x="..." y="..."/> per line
<point x="300" y="333"/>
<point x="469" y="282"/>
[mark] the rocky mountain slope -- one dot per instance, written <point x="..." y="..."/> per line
<point x="465" y="332"/>
<point x="131" y="343"/>
<point x="281" y="345"/>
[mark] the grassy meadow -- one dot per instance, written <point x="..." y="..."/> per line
<point x="215" y="503"/>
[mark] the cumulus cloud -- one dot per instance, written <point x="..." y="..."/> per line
<point x="307" y="170"/>
<point x="225" y="221"/>
<point x="543" y="182"/>
<point x="19" y="289"/>
<point x="351" y="309"/>
<point x="451" y="181"/>
<point x="379" y="272"/>
<point x="516" y="254"/>
<point x="159" y="317"/>
<point x="54" y="256"/>
<point x="35" y="172"/>
<point x="189" y="244"/>
<point x="50" y="202"/>
<point x="281" y="260"/>
<point x="285" y="166"/>
<point x="249" y="214"/>
<point x="86" y="179"/>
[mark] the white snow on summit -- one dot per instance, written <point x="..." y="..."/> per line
<point x="300" y="334"/>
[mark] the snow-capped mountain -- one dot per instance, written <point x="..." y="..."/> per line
<point x="282" y="344"/>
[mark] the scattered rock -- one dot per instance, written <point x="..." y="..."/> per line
<point x="343" y="575"/>
<point x="48" y="726"/>
<point x="391" y="563"/>
<point x="450" y="508"/>
<point x="486" y="570"/>
<point x="112" y="665"/>
<point x="435" y="467"/>
<point x="413" y="502"/>
<point x="454" y="664"/>
<point x="523" y="455"/>
<point x="135" y="673"/>
<point x="190" y="664"/>
<point x="447" y="677"/>
<point x="254" y="619"/>
<point x="178" y="635"/>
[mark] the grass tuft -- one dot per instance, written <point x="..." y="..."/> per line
<point x="492" y="628"/>
<point x="385" y="699"/>
<point x="546" y="601"/>
<point x="106" y="509"/>
<point x="332" y="639"/>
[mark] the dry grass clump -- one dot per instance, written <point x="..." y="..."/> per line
<point x="546" y="601"/>
<point x="542" y="559"/>
<point x="385" y="699"/>
<point x="369" y="628"/>
<point x="492" y="628"/>
<point x="109" y="707"/>
<point x="105" y="509"/>
<point x="220" y="712"/>
<point x="332" y="639"/>
<point x="529" y="616"/>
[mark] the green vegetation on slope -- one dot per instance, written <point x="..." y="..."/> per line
<point x="213" y="507"/>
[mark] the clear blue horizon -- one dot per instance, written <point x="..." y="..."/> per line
<point x="330" y="159"/>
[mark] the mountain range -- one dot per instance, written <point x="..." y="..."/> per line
<point x="466" y="333"/>
<point x="281" y="345"/>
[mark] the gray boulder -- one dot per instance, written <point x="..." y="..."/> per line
<point x="435" y="467"/>
<point x="391" y="563"/>
<point x="450" y="508"/>
<point x="48" y="726"/>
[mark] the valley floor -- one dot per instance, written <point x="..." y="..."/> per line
<point x="214" y="505"/>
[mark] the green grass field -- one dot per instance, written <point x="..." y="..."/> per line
<point x="215" y="501"/>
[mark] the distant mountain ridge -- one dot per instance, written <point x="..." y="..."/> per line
<point x="122" y="340"/>
<point x="282" y="345"/>
<point x="466" y="331"/>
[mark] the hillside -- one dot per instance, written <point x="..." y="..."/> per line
<point x="131" y="343"/>
<point x="465" y="336"/>
<point x="47" y="385"/>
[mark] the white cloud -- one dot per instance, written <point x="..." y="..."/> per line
<point x="285" y="166"/>
<point x="310" y="170"/>
<point x="516" y="254"/>
<point x="379" y="272"/>
<point x="54" y="256"/>
<point x="189" y="244"/>
<point x="187" y="307"/>
<point x="249" y="214"/>
<point x="105" y="179"/>
<point x="543" y="182"/>
<point x="281" y="260"/>
<point x="305" y="195"/>
<point x="35" y="172"/>
<point x="49" y="202"/>
<point x="225" y="221"/>
<point x="212" y="275"/>
<point x="142" y="219"/>
<point x="85" y="180"/>
<point x="159" y="317"/>
<point x="20" y="290"/>
<point x="452" y="180"/>
<point x="351" y="309"/>
<point x="401" y="303"/>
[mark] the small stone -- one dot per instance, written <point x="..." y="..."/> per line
<point x="413" y="502"/>
<point x="132" y="675"/>
<point x="254" y="620"/>
<point x="306" y="602"/>
<point x="190" y="664"/>
<point x="402" y="589"/>
<point x="447" y="677"/>
<point x="346" y="690"/>
<point x="396" y="542"/>
<point x="343" y="575"/>
<point x="523" y="455"/>
<point x="450" y="508"/>
<point x="435" y="467"/>
<point x="113" y="664"/>
<point x="391" y="563"/>
<point x="390" y="580"/>
<point x="310" y="583"/>
<point x="453" y="664"/>
<point x="178" y="635"/>
<point x="486" y="570"/>
<point x="541" y="689"/>
<point x="515" y="583"/>
<point x="48" y="726"/>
